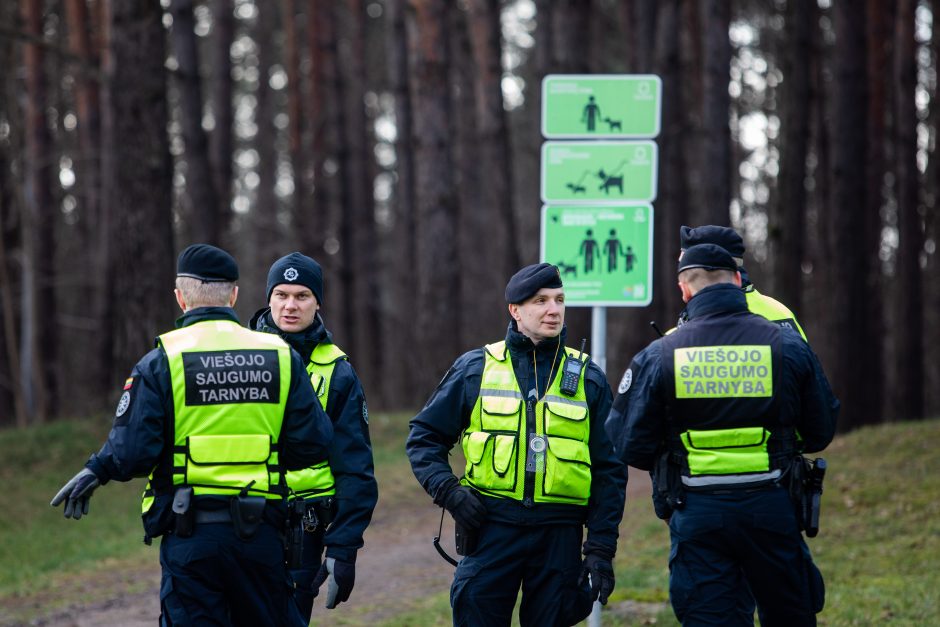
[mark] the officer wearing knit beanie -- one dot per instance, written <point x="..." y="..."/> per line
<point x="296" y="269"/>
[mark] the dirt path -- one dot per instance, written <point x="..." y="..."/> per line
<point x="397" y="565"/>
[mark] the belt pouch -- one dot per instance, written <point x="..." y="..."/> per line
<point x="246" y="515"/>
<point x="184" y="512"/>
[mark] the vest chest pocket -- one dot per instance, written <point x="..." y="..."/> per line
<point x="228" y="460"/>
<point x="567" y="469"/>
<point x="491" y="459"/>
<point x="498" y="413"/>
<point x="727" y="451"/>
<point x="564" y="420"/>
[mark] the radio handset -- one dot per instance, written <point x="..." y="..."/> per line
<point x="571" y="373"/>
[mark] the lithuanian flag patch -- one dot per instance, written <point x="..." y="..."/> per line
<point x="129" y="383"/>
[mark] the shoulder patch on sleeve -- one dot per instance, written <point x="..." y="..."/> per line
<point x="626" y="381"/>
<point x="123" y="404"/>
<point x="365" y="412"/>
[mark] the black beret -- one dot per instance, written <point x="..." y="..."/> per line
<point x="724" y="236"/>
<point x="707" y="256"/>
<point x="530" y="280"/>
<point x="206" y="263"/>
<point x="296" y="269"/>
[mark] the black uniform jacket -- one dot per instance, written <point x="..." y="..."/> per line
<point x="639" y="421"/>
<point x="350" y="453"/>
<point x="142" y="431"/>
<point x="438" y="426"/>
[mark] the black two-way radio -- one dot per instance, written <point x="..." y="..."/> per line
<point x="571" y="373"/>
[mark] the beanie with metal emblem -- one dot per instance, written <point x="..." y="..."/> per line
<point x="296" y="269"/>
<point x="529" y="280"/>
<point x="207" y="263"/>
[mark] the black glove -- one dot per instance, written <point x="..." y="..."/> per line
<point x="341" y="577"/>
<point x="466" y="507"/>
<point x="76" y="493"/>
<point x="601" y="571"/>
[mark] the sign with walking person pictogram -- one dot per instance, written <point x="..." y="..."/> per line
<point x="603" y="252"/>
<point x="599" y="106"/>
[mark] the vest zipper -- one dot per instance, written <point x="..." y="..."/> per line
<point x="528" y="490"/>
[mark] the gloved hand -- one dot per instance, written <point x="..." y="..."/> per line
<point x="601" y="572"/>
<point x="466" y="507"/>
<point x="340" y="575"/>
<point x="76" y="493"/>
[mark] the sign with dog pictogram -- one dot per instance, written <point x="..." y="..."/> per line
<point x="591" y="172"/>
<point x="599" y="106"/>
<point x="603" y="252"/>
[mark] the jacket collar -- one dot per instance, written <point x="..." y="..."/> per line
<point x="716" y="299"/>
<point x="201" y="314"/>
<point x="303" y="341"/>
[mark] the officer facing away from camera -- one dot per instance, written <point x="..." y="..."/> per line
<point x="716" y="407"/>
<point x="214" y="415"/>
<point x="529" y="414"/>
<point x="340" y="492"/>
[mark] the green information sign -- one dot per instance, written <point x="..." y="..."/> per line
<point x="601" y="106"/>
<point x="604" y="252"/>
<point x="599" y="171"/>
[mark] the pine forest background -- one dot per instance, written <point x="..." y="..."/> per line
<point x="397" y="142"/>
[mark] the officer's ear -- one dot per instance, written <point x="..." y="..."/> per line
<point x="233" y="297"/>
<point x="514" y="311"/>
<point x="179" y="299"/>
<point x="737" y="278"/>
<point x="686" y="290"/>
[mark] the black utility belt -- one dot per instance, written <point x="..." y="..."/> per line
<point x="245" y="513"/>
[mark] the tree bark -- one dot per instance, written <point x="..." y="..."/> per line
<point x="220" y="139"/>
<point x="141" y="182"/>
<point x="436" y="205"/>
<point x="295" y="127"/>
<point x="908" y="400"/>
<point x="39" y="344"/>
<point x="785" y="232"/>
<point x="716" y="107"/>
<point x="398" y="333"/>
<point x="848" y="261"/>
<point x="357" y="231"/>
<point x="200" y="185"/>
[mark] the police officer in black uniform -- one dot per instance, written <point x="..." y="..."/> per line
<point x="722" y="407"/>
<point x="731" y="240"/>
<point x="341" y="492"/>
<point x="540" y="467"/>
<point x="214" y="414"/>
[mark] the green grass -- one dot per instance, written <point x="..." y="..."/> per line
<point x="878" y="547"/>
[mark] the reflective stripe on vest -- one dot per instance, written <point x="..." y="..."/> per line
<point x="771" y="309"/>
<point x="727" y="456"/>
<point x="230" y="386"/>
<point x="318" y="480"/>
<point x="495" y="442"/>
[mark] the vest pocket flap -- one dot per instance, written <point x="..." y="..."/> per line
<point x="570" y="450"/>
<point x="229" y="449"/>
<point x="725" y="438"/>
<point x="565" y="410"/>
<point x="500" y="405"/>
<point x="476" y="445"/>
<point x="503" y="448"/>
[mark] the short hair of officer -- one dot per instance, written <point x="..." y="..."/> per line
<point x="703" y="265"/>
<point x="197" y="293"/>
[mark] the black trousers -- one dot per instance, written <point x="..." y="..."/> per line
<point x="215" y="578"/>
<point x="544" y="561"/>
